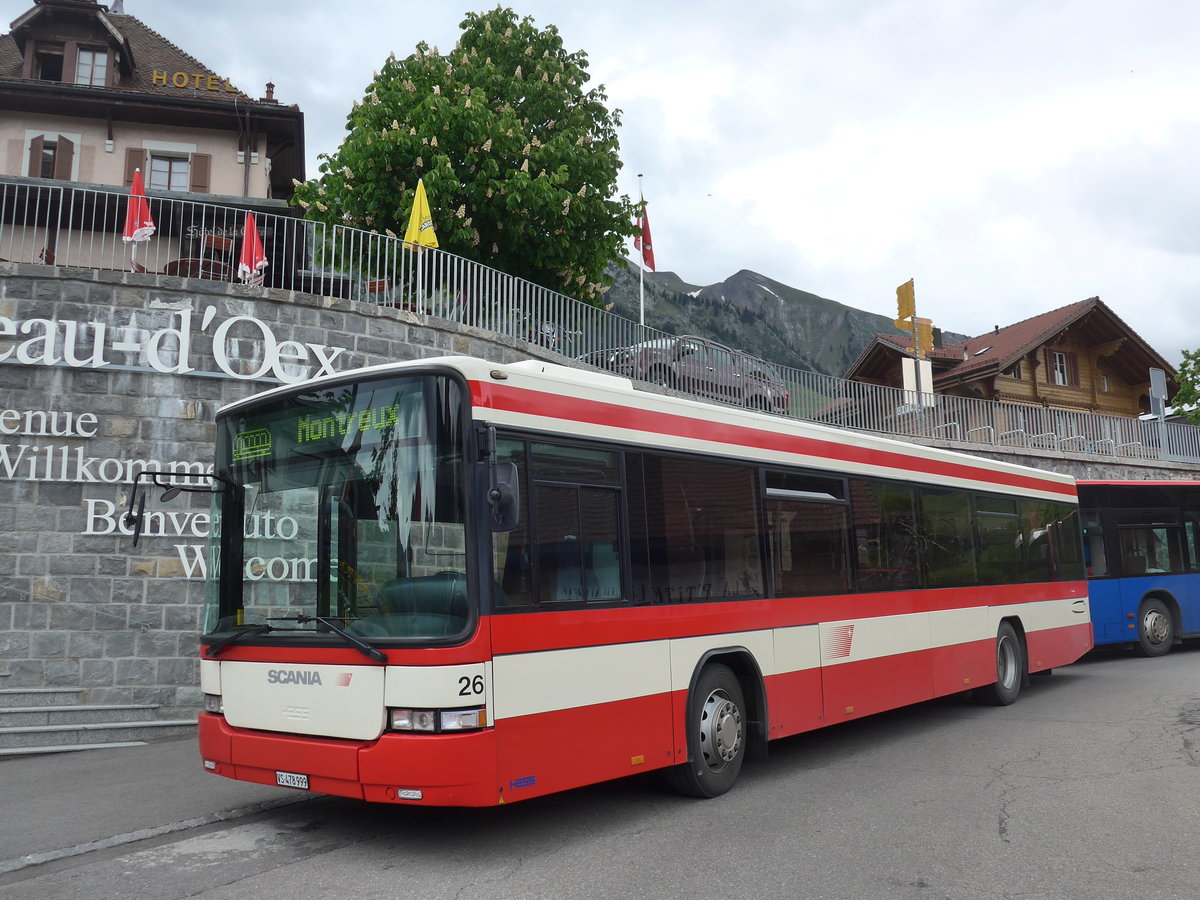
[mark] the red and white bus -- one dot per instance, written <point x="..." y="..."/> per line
<point x="452" y="582"/>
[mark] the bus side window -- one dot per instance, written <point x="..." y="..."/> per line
<point x="949" y="540"/>
<point x="1094" y="555"/>
<point x="511" y="564"/>
<point x="887" y="542"/>
<point x="577" y="548"/>
<point x="702" y="530"/>
<point x="998" y="531"/>
<point x="807" y="530"/>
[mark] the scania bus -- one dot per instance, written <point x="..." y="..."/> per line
<point x="485" y="583"/>
<point x="1142" y="551"/>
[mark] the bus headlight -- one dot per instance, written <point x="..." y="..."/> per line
<point x="435" y="720"/>
<point x="463" y="719"/>
<point x="213" y="704"/>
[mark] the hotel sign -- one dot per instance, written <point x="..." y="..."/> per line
<point x="199" y="81"/>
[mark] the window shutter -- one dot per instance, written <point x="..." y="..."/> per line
<point x="36" y="145"/>
<point x="135" y="158"/>
<point x="1049" y="354"/>
<point x="1073" y="370"/>
<point x="201" y="163"/>
<point x="63" y="157"/>
<point x="70" y="62"/>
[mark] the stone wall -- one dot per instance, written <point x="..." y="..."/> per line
<point x="105" y="373"/>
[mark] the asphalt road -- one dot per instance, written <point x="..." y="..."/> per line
<point x="1088" y="787"/>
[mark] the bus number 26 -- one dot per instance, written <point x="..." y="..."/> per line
<point x="469" y="686"/>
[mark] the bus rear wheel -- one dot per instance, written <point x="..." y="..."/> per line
<point x="1010" y="668"/>
<point x="1156" y="628"/>
<point x="716" y="736"/>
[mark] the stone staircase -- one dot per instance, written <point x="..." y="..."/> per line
<point x="51" y="720"/>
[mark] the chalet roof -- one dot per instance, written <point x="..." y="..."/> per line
<point x="148" y="49"/>
<point x="1001" y="348"/>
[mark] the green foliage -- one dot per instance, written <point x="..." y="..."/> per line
<point x="1187" y="399"/>
<point x="519" y="162"/>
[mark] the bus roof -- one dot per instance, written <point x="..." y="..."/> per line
<point x="565" y="400"/>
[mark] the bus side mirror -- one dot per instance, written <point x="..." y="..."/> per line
<point x="504" y="497"/>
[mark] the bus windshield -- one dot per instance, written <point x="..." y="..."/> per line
<point x="343" y="503"/>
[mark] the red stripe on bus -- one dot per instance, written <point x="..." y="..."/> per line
<point x="549" y="630"/>
<point x="575" y="409"/>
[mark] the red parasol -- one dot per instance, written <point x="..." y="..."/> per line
<point x="139" y="225"/>
<point x="253" y="260"/>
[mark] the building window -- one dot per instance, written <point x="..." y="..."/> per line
<point x="1062" y="368"/>
<point x="169" y="173"/>
<point x="1104" y="384"/>
<point x="50" y="64"/>
<point x="51" y="156"/>
<point x="92" y="68"/>
<point x="1014" y="371"/>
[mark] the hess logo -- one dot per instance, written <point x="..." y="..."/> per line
<point x="299" y="676"/>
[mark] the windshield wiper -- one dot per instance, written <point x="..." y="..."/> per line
<point x="241" y="632"/>
<point x="357" y="643"/>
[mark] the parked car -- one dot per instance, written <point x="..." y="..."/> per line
<point x="696" y="365"/>
<point x="765" y="387"/>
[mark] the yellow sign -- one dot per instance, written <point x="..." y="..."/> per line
<point x="199" y="81"/>
<point x="924" y="335"/>
<point x="906" y="301"/>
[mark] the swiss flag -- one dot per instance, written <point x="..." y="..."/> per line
<point x="642" y="241"/>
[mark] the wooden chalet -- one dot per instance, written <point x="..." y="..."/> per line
<point x="1081" y="356"/>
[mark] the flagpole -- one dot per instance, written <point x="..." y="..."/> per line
<point x="642" y="266"/>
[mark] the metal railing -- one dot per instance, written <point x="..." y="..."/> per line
<point x="54" y="223"/>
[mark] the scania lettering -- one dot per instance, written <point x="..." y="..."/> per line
<point x="284" y="676"/>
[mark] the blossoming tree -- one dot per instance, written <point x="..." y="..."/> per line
<point x="519" y="160"/>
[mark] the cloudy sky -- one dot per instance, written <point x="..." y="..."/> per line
<point x="1012" y="156"/>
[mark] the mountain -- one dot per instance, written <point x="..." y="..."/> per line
<point x="751" y="312"/>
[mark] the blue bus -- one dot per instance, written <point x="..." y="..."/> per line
<point x="1142" y="550"/>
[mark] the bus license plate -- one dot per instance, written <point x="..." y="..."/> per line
<point x="292" y="780"/>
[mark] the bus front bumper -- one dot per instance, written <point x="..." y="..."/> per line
<point x="420" y="769"/>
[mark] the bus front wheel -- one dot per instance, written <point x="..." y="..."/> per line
<point x="716" y="735"/>
<point x="1010" y="668"/>
<point x="1156" y="628"/>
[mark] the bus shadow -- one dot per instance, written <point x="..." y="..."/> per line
<point x="638" y="800"/>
